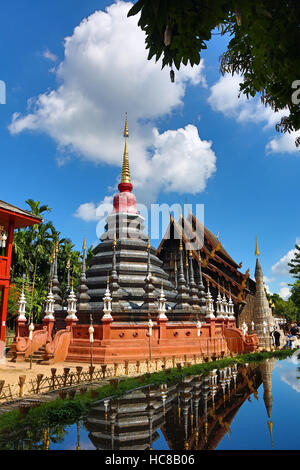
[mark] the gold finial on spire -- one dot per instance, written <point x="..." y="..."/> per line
<point x="84" y="244"/>
<point x="180" y="245"/>
<point x="107" y="280"/>
<point x="257" y="253"/>
<point x="125" y="177"/>
<point x="126" y="132"/>
<point x="186" y="261"/>
<point x="175" y="265"/>
<point x="270" y="426"/>
<point x="115" y="240"/>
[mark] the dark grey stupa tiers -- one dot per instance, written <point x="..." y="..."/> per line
<point x="131" y="260"/>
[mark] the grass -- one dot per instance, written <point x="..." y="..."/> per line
<point x="69" y="410"/>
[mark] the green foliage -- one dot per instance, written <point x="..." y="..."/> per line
<point x="295" y="263"/>
<point x="295" y="297"/>
<point x="264" y="44"/>
<point x="32" y="250"/>
<point x="284" y="308"/>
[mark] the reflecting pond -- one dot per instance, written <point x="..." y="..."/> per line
<point x="250" y="407"/>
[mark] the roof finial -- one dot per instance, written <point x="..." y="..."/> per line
<point x="84" y="244"/>
<point x="125" y="178"/>
<point x="257" y="253"/>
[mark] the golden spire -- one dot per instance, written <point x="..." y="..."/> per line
<point x="107" y="280"/>
<point x="115" y="240"/>
<point x="270" y="426"/>
<point x="180" y="245"/>
<point x="84" y="244"/>
<point x="125" y="177"/>
<point x="148" y="244"/>
<point x="257" y="253"/>
<point x="175" y="265"/>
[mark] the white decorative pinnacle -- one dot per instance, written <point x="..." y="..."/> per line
<point x="209" y="305"/>
<point x="162" y="305"/>
<point x="219" y="304"/>
<point x="22" y="306"/>
<point x="49" y="309"/>
<point x="107" y="308"/>
<point x="72" y="300"/>
<point x="225" y="306"/>
<point x="231" y="309"/>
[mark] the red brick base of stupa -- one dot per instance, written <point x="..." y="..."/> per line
<point x="116" y="342"/>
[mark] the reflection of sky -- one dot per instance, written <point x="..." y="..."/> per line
<point x="70" y="440"/>
<point x="250" y="428"/>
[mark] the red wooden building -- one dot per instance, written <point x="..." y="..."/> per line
<point x="11" y="218"/>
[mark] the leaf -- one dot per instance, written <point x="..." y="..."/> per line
<point x="136" y="8"/>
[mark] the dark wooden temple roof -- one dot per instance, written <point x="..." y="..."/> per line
<point x="216" y="261"/>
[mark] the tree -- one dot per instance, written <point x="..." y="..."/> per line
<point x="295" y="297"/>
<point x="284" y="308"/>
<point x="263" y="49"/>
<point x="295" y="263"/>
<point x="32" y="250"/>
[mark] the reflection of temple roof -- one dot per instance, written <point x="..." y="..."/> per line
<point x="182" y="426"/>
<point x="131" y="426"/>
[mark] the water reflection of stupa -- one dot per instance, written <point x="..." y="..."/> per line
<point x="194" y="414"/>
<point x="266" y="370"/>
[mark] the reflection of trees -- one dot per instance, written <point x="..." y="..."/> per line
<point x="35" y="439"/>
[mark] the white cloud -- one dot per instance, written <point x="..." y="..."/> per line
<point x="181" y="162"/>
<point x="285" y="293"/>
<point x="291" y="378"/>
<point x="224" y="98"/>
<point x="50" y="56"/>
<point x="268" y="289"/>
<point x="105" y="72"/>
<point x="91" y="212"/>
<point x="281" y="268"/>
<point x="285" y="143"/>
<point x="268" y="279"/>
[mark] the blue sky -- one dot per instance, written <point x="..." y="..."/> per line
<point x="62" y="144"/>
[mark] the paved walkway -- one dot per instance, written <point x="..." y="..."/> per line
<point x="10" y="371"/>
